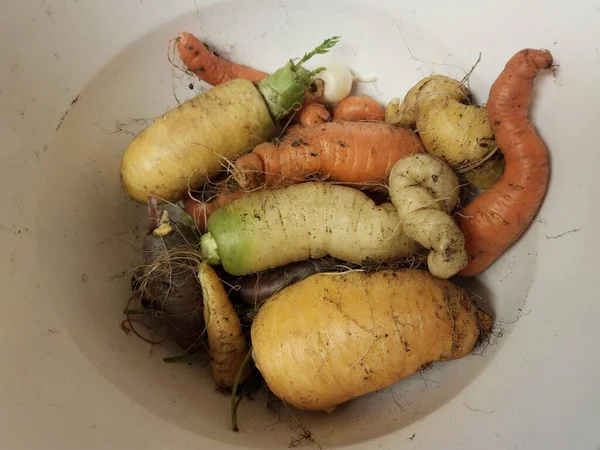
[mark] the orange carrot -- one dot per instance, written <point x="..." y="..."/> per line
<point x="314" y="114"/>
<point x="201" y="211"/>
<point x="357" y="108"/>
<point x="209" y="66"/>
<point x="494" y="220"/>
<point x="312" y="95"/>
<point x="361" y="153"/>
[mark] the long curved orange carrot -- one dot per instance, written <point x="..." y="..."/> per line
<point x="494" y="220"/>
<point x="356" y="108"/>
<point x="361" y="153"/>
<point x="201" y="211"/>
<point x="209" y="66"/>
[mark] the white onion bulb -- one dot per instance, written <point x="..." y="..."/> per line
<point x="337" y="80"/>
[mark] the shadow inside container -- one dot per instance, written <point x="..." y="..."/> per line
<point x="483" y="296"/>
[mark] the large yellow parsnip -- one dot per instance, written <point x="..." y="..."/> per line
<point x="189" y="144"/>
<point x="333" y="337"/>
<point x="271" y="228"/>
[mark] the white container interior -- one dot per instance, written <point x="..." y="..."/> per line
<point x="80" y="78"/>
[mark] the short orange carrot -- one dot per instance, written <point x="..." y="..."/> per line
<point x="358" y="153"/>
<point x="357" y="108"/>
<point x="201" y="211"/>
<point x="314" y="114"/>
<point x="209" y="66"/>
<point x="495" y="219"/>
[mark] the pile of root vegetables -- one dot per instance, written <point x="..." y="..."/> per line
<point x="320" y="229"/>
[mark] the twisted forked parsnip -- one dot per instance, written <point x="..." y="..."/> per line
<point x="450" y="127"/>
<point x="424" y="191"/>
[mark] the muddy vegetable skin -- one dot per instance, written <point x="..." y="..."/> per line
<point x="272" y="228"/>
<point x="333" y="337"/>
<point x="177" y="297"/>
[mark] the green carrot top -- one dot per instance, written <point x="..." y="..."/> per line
<point x="285" y="89"/>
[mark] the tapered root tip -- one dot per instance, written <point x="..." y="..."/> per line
<point x="186" y="43"/>
<point x="542" y="59"/>
<point x="182" y="43"/>
<point x="528" y="62"/>
<point x="443" y="266"/>
<point x="484" y="321"/>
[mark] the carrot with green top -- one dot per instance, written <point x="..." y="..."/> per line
<point x="209" y="66"/>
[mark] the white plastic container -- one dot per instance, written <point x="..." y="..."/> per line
<point x="78" y="78"/>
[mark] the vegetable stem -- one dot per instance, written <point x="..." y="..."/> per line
<point x="209" y="249"/>
<point x="327" y="45"/>
<point x="284" y="89"/>
<point x="234" y="400"/>
<point x="178" y="358"/>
